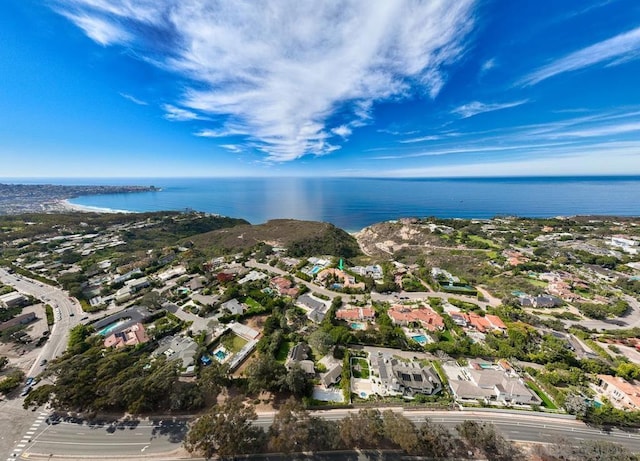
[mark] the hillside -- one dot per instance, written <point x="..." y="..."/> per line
<point x="387" y="238"/>
<point x="301" y="238"/>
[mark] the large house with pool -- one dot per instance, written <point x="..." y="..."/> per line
<point x="391" y="376"/>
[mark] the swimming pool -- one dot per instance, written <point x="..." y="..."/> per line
<point x="109" y="328"/>
<point x="221" y="354"/>
<point x="316" y="269"/>
<point x="421" y="339"/>
<point x="357" y="326"/>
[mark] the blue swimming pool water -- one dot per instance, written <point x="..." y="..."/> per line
<point x="109" y="328"/>
<point x="422" y="339"/>
<point x="357" y="326"/>
<point x="220" y="354"/>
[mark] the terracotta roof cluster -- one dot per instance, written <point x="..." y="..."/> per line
<point x="356" y="313"/>
<point x="425" y="316"/>
<point x="284" y="286"/>
<point x="132" y="336"/>
<point x="482" y="324"/>
<point x="631" y="391"/>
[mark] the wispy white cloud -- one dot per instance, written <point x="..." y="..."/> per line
<point x="290" y="73"/>
<point x="99" y="29"/>
<point x="133" y="99"/>
<point x="176" y="114"/>
<point x="487" y="66"/>
<point x="342" y="130"/>
<point x="476" y="107"/>
<point x="614" y="51"/>
<point x="422" y="139"/>
<point x="232" y="148"/>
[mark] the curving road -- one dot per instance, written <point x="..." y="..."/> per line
<point x="63" y="307"/>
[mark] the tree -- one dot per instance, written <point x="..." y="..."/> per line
<point x="437" y="441"/>
<point x="364" y="429"/>
<point x="320" y="341"/>
<point x="297" y="381"/>
<point x="265" y="374"/>
<point x="484" y="436"/>
<point x="629" y="371"/>
<point x="226" y="431"/>
<point x="3" y="362"/>
<point x="213" y="378"/>
<point x="588" y="450"/>
<point x="11" y="381"/>
<point x="401" y="431"/>
<point x="295" y="430"/>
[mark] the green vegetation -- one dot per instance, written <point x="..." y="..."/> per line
<point x="359" y="368"/>
<point x="11" y="381"/>
<point x="544" y="397"/>
<point x="49" y="313"/>
<point x="233" y="342"/>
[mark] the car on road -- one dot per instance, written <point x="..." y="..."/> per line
<point x="86" y="317"/>
<point x="30" y="381"/>
<point x="25" y="390"/>
<point x="71" y="314"/>
<point x="43" y="362"/>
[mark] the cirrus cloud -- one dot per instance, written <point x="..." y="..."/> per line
<point x="293" y="77"/>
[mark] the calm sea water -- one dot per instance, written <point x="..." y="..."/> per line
<point x="355" y="203"/>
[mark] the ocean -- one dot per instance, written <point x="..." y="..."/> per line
<point x="354" y="203"/>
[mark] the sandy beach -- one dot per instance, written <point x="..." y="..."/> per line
<point x="66" y="206"/>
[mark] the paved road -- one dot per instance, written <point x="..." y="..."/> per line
<point x="631" y="320"/>
<point x="63" y="306"/>
<point x="115" y="441"/>
<point x="395" y="297"/>
<point x="149" y="438"/>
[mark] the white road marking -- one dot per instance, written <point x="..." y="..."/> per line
<point x="144" y="448"/>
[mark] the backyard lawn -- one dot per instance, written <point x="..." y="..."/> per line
<point x="359" y="368"/>
<point x="233" y="342"/>
<point x="546" y="401"/>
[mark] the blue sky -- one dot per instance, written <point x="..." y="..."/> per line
<point x="441" y="88"/>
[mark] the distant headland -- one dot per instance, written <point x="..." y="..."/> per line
<point x="38" y="198"/>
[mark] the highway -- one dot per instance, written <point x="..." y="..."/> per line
<point x="115" y="441"/>
<point x="164" y="439"/>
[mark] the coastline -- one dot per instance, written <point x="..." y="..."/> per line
<point x="66" y="205"/>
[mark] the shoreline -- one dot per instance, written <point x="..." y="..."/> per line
<point x="66" y="205"/>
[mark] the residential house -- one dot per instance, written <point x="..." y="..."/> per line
<point x="180" y="348"/>
<point x="483" y="324"/>
<point x="234" y="307"/>
<point x="316" y="310"/>
<point x="403" y="315"/>
<point x="620" y="392"/>
<point x="252" y="276"/>
<point x="342" y="278"/>
<point x="351" y="313"/>
<point x="483" y="381"/>
<point x="299" y="355"/>
<point x="284" y="286"/>
<point x="132" y="336"/>
<point x="391" y="376"/>
<point x="540" y="301"/>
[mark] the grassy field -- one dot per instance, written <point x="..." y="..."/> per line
<point x="546" y="401"/>
<point x="233" y="342"/>
<point x="252" y="303"/>
<point x="359" y="368"/>
<point x="476" y="238"/>
<point x="283" y="351"/>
